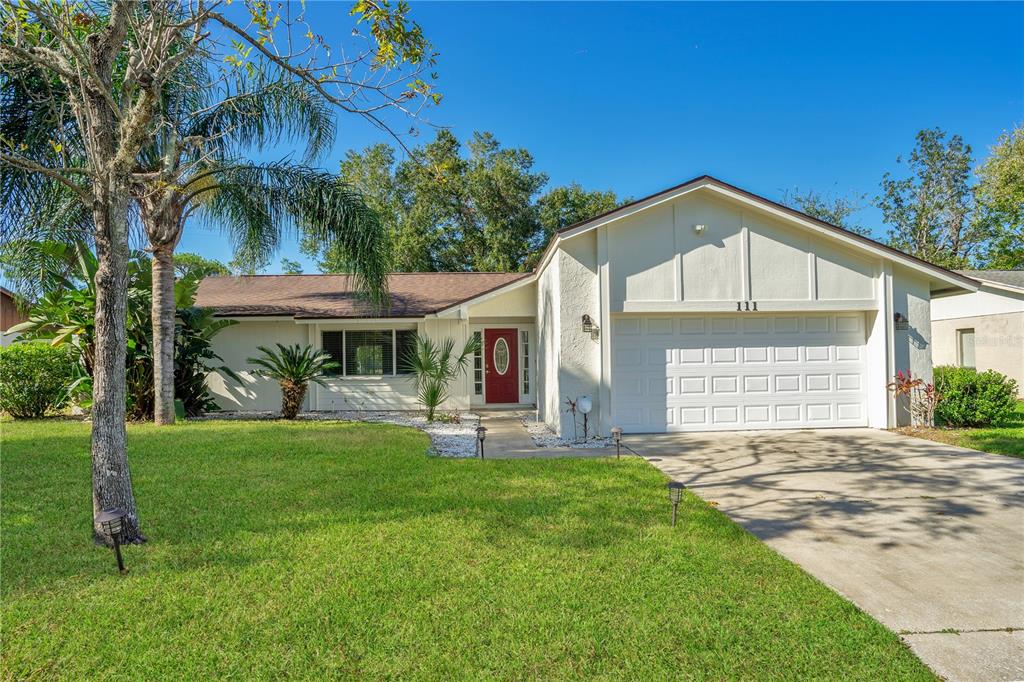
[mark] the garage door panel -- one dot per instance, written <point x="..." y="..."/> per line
<point x="771" y="371"/>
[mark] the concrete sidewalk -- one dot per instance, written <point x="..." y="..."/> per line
<point x="507" y="439"/>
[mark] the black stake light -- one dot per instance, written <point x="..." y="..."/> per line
<point x="617" y="437"/>
<point x="481" y="435"/>
<point x="112" y="523"/>
<point x="675" y="494"/>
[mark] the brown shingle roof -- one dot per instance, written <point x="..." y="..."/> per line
<point x="413" y="294"/>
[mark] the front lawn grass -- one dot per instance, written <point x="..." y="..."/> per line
<point x="322" y="550"/>
<point x="1006" y="439"/>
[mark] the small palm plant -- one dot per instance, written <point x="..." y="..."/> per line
<point x="293" y="367"/>
<point x="434" y="366"/>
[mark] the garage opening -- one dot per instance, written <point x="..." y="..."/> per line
<point x="730" y="372"/>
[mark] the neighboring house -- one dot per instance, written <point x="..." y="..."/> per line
<point x="984" y="329"/>
<point x="702" y="307"/>
<point x="10" y="315"/>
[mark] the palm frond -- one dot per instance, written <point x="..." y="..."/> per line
<point x="258" y="204"/>
<point x="261" y="111"/>
<point x="296" y="364"/>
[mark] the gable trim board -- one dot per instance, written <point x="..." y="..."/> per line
<point x="811" y="307"/>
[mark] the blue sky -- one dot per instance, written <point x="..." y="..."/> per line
<point x="638" y="97"/>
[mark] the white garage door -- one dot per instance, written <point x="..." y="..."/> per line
<point x="723" y="372"/>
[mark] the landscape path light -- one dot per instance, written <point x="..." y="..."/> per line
<point x="617" y="437"/>
<point x="675" y="494"/>
<point x="112" y="523"/>
<point x="481" y="435"/>
<point x="584" y="404"/>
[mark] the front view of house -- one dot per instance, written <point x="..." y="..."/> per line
<point x="700" y="308"/>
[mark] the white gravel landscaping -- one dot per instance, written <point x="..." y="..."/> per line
<point x="544" y="437"/>
<point x="447" y="439"/>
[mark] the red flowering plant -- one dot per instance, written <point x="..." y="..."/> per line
<point x="922" y="396"/>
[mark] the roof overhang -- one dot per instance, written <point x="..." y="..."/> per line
<point x="946" y="280"/>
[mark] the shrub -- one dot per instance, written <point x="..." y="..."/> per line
<point x="34" y="378"/>
<point x="973" y="398"/>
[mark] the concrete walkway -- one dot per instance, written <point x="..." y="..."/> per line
<point x="927" y="538"/>
<point x="508" y="439"/>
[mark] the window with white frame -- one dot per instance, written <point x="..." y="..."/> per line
<point x="369" y="352"/>
<point x="965" y="347"/>
<point x="478" y="365"/>
<point x="525" y="342"/>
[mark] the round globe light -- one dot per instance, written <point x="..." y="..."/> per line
<point x="584" y="404"/>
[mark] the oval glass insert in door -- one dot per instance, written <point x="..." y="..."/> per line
<point x="501" y="356"/>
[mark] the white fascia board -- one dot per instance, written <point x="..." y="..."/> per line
<point x="989" y="284"/>
<point x="359" y="320"/>
<point x="256" y="318"/>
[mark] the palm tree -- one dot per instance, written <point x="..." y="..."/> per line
<point x="434" y="367"/>
<point x="293" y="367"/>
<point x="196" y="168"/>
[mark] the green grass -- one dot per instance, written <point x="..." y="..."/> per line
<point x="1006" y="439"/>
<point x="312" y="550"/>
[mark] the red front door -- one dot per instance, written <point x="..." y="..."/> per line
<point x="501" y="365"/>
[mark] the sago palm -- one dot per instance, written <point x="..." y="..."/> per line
<point x="293" y="367"/>
<point x="434" y="366"/>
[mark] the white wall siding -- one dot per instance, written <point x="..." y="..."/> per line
<point x="237" y="343"/>
<point x="987" y="301"/>
<point x="519" y="302"/>
<point x="657" y="257"/>
<point x="397" y="392"/>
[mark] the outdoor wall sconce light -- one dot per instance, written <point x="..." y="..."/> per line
<point x="617" y="437"/>
<point x="901" y="321"/>
<point x="112" y="523"/>
<point x="675" y="494"/>
<point x="481" y="435"/>
<point x="588" y="324"/>
<point x="699" y="229"/>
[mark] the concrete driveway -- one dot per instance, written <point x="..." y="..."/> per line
<point x="927" y="538"/>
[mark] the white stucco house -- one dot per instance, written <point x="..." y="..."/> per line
<point x="703" y="307"/>
<point x="984" y="329"/>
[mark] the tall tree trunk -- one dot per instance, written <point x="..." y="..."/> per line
<point x="163" y="334"/>
<point x="111" y="478"/>
<point x="162" y="219"/>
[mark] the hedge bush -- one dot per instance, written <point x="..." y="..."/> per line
<point x="973" y="398"/>
<point x="34" y="377"/>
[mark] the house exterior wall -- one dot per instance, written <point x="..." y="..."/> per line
<point x="912" y="348"/>
<point x="655" y="261"/>
<point x="237" y="343"/>
<point x="998" y="342"/>
<point x="659" y="262"/>
<point x="996" y="314"/>
<point x="988" y="300"/>
<point x="579" y="353"/>
<point x="549" y="308"/>
<point x="519" y="302"/>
